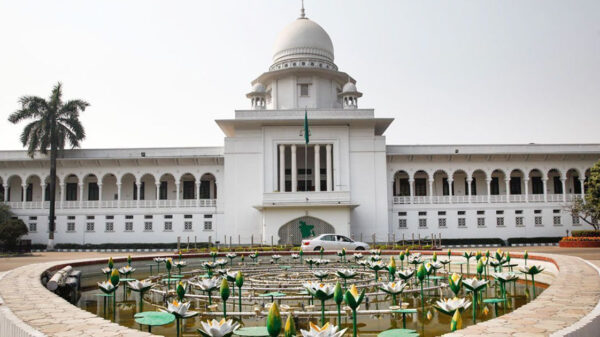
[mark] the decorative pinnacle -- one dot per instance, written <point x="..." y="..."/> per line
<point x="302" y="15"/>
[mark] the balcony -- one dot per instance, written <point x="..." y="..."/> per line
<point x="302" y="199"/>
<point x="473" y="199"/>
<point x="188" y="203"/>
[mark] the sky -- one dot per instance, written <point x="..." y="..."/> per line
<point x="158" y="73"/>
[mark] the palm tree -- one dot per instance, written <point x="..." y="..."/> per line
<point x="53" y="124"/>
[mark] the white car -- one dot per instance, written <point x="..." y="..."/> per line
<point x="332" y="242"/>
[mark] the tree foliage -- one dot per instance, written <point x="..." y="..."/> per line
<point x="52" y="124"/>
<point x="588" y="209"/>
<point x="11" y="229"/>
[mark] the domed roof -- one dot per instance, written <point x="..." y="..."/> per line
<point x="349" y="87"/>
<point x="259" y="88"/>
<point x="303" y="38"/>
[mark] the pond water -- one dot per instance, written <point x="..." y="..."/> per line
<point x="518" y="294"/>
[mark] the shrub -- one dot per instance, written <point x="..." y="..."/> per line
<point x="552" y="239"/>
<point x="586" y="233"/>
<point x="11" y="231"/>
<point x="580" y="238"/>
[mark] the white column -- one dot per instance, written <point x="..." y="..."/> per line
<point x="23" y="194"/>
<point x="81" y="195"/>
<point x="329" y="173"/>
<point x="526" y="182"/>
<point x="489" y="190"/>
<point x="177" y="192"/>
<point x="43" y="187"/>
<point x="139" y="190"/>
<point x="411" y="185"/>
<point x="63" y="194"/>
<point x="317" y="174"/>
<point x="507" y="184"/>
<point x="545" y="181"/>
<point x="99" y="193"/>
<point x="294" y="170"/>
<point x="581" y="182"/>
<point x="469" y="182"/>
<point x="198" y="182"/>
<point x="157" y="191"/>
<point x="119" y="192"/>
<point x="430" y="190"/>
<point x="564" y="190"/>
<point x="450" y="190"/>
<point x="281" y="168"/>
<point x="5" y="186"/>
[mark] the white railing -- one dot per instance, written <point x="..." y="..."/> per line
<point x="87" y="204"/>
<point x="503" y="198"/>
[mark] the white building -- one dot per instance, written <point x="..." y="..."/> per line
<point x="266" y="179"/>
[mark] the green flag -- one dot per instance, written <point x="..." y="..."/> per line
<point x="306" y="132"/>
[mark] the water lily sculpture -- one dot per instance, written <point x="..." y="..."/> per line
<point x="320" y="274"/>
<point x="179" y="265"/>
<point x="310" y="262"/>
<point x="109" y="287"/>
<point x="345" y="274"/>
<point x="140" y="287"/>
<point x="221" y="262"/>
<point x="353" y="299"/>
<point x="208" y="285"/>
<point x="455" y="283"/>
<point x="468" y="256"/>
<point x="532" y="270"/>
<point x="276" y="257"/>
<point x="295" y="256"/>
<point x="158" y="261"/>
<point x="503" y="278"/>
<point x="274" y="321"/>
<point x="231" y="257"/>
<point x="375" y="251"/>
<point x="254" y="256"/>
<point x="415" y="259"/>
<point x="327" y="330"/>
<point x="405" y="274"/>
<point x="362" y="263"/>
<point x="322" y="292"/>
<point x="394" y="289"/>
<point x="126" y="270"/>
<point x="449" y="305"/>
<point x="475" y="286"/>
<point x="222" y="328"/>
<point x="209" y="266"/>
<point x="320" y="262"/>
<point x="181" y="311"/>
<point x="376" y="266"/>
<point x="342" y="255"/>
<point x="357" y="256"/>
<point x="375" y="258"/>
<point x="106" y="271"/>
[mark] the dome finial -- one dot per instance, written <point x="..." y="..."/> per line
<point x="302" y="15"/>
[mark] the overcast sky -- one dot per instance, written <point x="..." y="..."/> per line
<point x="157" y="73"/>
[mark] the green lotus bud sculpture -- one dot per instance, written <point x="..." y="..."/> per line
<point x="224" y="292"/>
<point x="180" y="291"/>
<point x="526" y="256"/>
<point x="129" y="260"/>
<point x="401" y="257"/>
<point x="353" y="299"/>
<point x="455" y="283"/>
<point x="338" y="298"/>
<point x="392" y="269"/>
<point x="274" y="321"/>
<point x="290" y="327"/>
<point x="479" y="268"/>
<point x="456" y="323"/>
<point x="239" y="282"/>
<point x="468" y="256"/>
<point x="111" y="264"/>
<point x="214" y="255"/>
<point x="434" y="257"/>
<point x="421" y="273"/>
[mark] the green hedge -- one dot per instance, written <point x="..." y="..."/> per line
<point x="586" y="233"/>
<point x="550" y="239"/>
<point x="128" y="245"/>
<point x="482" y="241"/>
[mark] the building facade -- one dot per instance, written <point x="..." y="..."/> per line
<point x="266" y="178"/>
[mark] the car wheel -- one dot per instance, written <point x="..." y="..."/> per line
<point x="360" y="248"/>
<point x="318" y="248"/>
